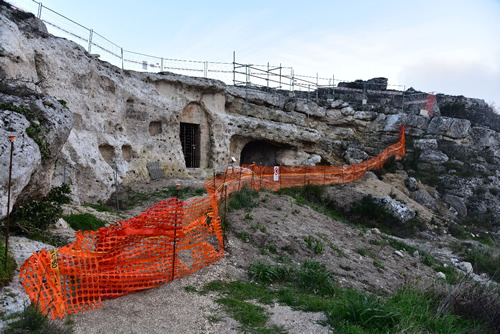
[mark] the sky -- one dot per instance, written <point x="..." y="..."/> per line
<point x="438" y="46"/>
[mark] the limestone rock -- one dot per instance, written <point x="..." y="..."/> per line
<point x="411" y="183"/>
<point x="397" y="208"/>
<point x="457" y="203"/>
<point x="440" y="275"/>
<point x="355" y="155"/>
<point x="426" y="144"/>
<point x="465" y="266"/>
<point x="433" y="157"/>
<point x="421" y="196"/>
<point x="449" y="127"/>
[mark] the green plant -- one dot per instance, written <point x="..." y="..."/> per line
<point x="272" y="249"/>
<point x="309" y="241"/>
<point x="244" y="199"/>
<point x="6" y="275"/>
<point x="484" y="259"/>
<point x="318" y="247"/>
<point x="84" y="222"/>
<point x="98" y="207"/>
<point x="378" y="265"/>
<point x="244" y="236"/>
<point x="31" y="320"/>
<point x="361" y="251"/>
<point x="263" y="229"/>
<point x="248" y="216"/>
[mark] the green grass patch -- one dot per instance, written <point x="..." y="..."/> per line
<point x="99" y="207"/>
<point x="484" y="259"/>
<point x="314" y="196"/>
<point x="31" y="320"/>
<point x="409" y="310"/>
<point x="6" y="275"/>
<point x="246" y="199"/>
<point x="84" y="222"/>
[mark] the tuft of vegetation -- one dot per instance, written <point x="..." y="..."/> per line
<point x="6" y="275"/>
<point x="31" y="320"/>
<point x="33" y="217"/>
<point x="244" y="199"/>
<point x="484" y="259"/>
<point x="36" y="131"/>
<point x="99" y="207"/>
<point x="313" y="195"/>
<point x="84" y="222"/>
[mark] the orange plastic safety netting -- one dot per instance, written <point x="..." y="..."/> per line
<point x="278" y="177"/>
<point x="169" y="240"/>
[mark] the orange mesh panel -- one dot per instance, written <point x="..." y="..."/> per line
<point x="169" y="240"/>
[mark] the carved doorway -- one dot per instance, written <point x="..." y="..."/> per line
<point x="190" y="141"/>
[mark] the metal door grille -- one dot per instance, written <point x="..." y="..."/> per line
<point x="190" y="140"/>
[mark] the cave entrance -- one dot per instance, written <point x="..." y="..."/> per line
<point x="190" y="141"/>
<point x="261" y="152"/>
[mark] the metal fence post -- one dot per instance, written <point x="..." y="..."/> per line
<point x="317" y="82"/>
<point x="234" y="68"/>
<point x="308" y="102"/>
<point x="403" y="100"/>
<point x="39" y="14"/>
<point x="8" y="204"/>
<point x="90" y="40"/>
<point x="205" y="69"/>
<point x="122" y="58"/>
<point x="116" y="189"/>
<point x="267" y="75"/>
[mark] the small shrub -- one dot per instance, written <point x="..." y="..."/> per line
<point x="31" y="320"/>
<point x="84" y="222"/>
<point x="318" y="247"/>
<point x="244" y="199"/>
<point x="309" y="241"/>
<point x="378" y="265"/>
<point x="484" y="259"/>
<point x="272" y="249"/>
<point x="315" y="278"/>
<point x="244" y="237"/>
<point x="361" y="251"/>
<point x="248" y="216"/>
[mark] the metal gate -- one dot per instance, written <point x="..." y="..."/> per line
<point x="190" y="140"/>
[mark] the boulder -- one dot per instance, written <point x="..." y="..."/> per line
<point x="422" y="197"/>
<point x="355" y="155"/>
<point x="457" y="203"/>
<point x="426" y="144"/>
<point x="399" y="209"/>
<point x="411" y="183"/>
<point x="433" y="157"/>
<point x="450" y="127"/>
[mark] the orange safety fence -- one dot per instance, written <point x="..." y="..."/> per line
<point x="170" y="240"/>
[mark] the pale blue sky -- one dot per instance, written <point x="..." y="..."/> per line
<point x="451" y="47"/>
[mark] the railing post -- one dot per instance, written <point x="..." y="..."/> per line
<point x="280" y="77"/>
<point x="234" y="68"/>
<point x="90" y="40"/>
<point x="122" y="58"/>
<point x="317" y="99"/>
<point x="205" y="69"/>
<point x="39" y="14"/>
<point x="403" y="100"/>
<point x="267" y="75"/>
<point x="308" y="102"/>
<point x="161" y="64"/>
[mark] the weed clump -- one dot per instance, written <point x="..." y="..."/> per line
<point x="244" y="199"/>
<point x="6" y="275"/>
<point x="84" y="222"/>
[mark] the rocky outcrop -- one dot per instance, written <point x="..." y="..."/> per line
<point x="41" y="125"/>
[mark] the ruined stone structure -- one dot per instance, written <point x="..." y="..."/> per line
<point x="123" y="119"/>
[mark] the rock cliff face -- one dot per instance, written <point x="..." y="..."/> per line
<point x="124" y="119"/>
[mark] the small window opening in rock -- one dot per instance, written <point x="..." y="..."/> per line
<point x="107" y="152"/>
<point x="190" y="141"/>
<point x="127" y="152"/>
<point x="155" y="128"/>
